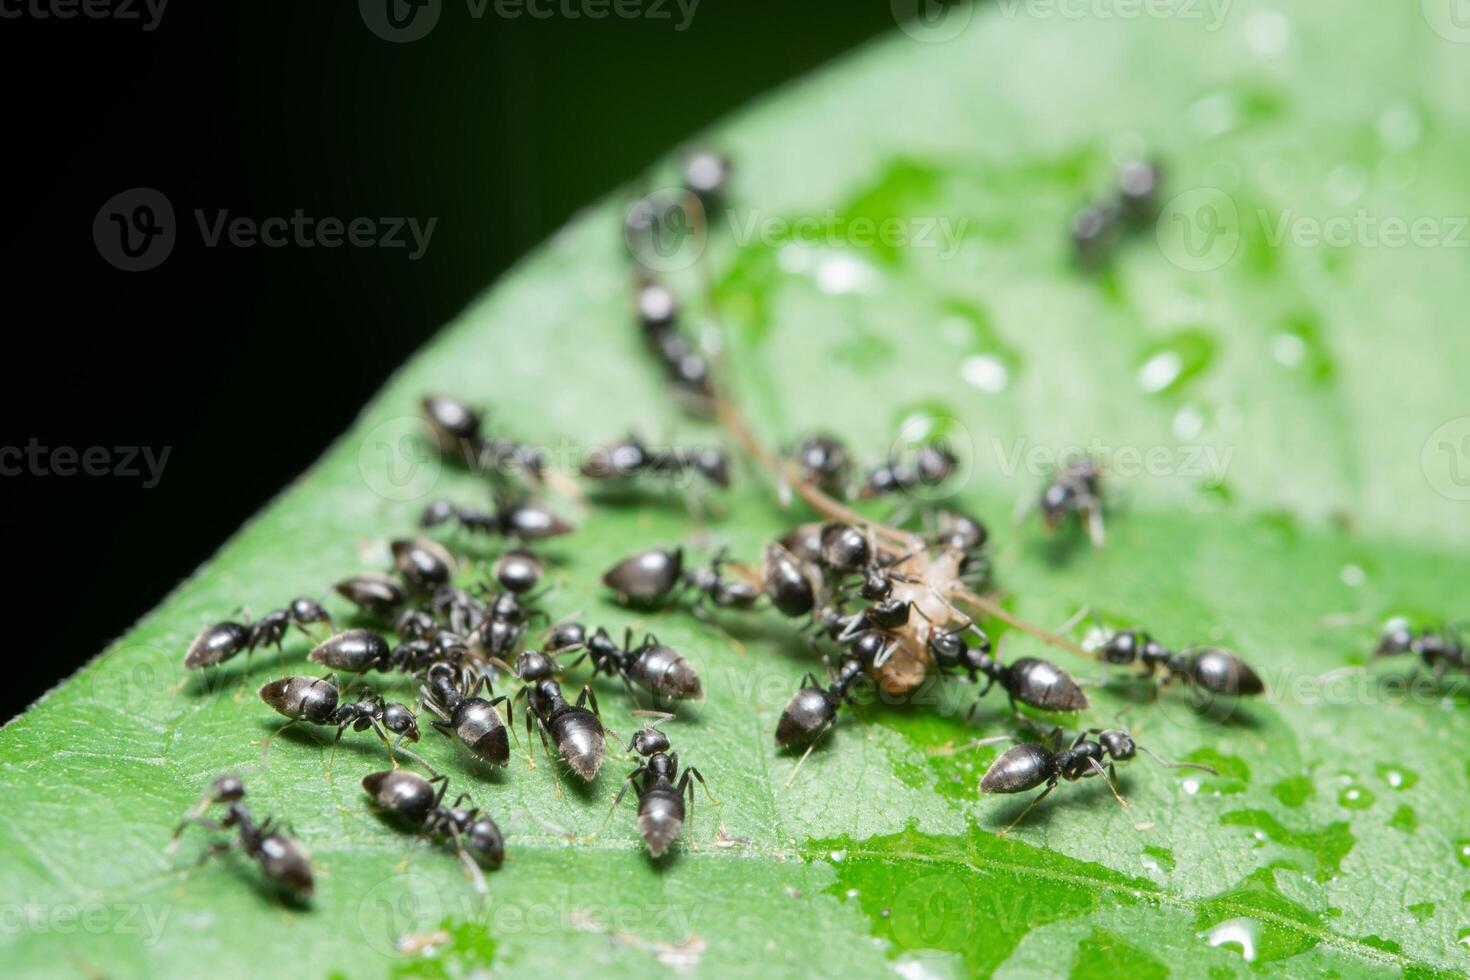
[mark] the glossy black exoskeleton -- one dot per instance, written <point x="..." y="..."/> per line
<point x="377" y="596"/>
<point x="932" y="464"/>
<point x="1214" y="670"/>
<point x="423" y="565"/>
<point x="656" y="576"/>
<point x="282" y="859"/>
<point x="525" y="520"/>
<point x="1029" y="680"/>
<point x="1076" y="488"/>
<point x="661" y="789"/>
<point x="650" y="665"/>
<point x="413" y="799"/>
<point x="223" y="641"/>
<point x="576" y="731"/>
<point x="631" y="458"/>
<point x="822" y="461"/>
<point x="315" y="700"/>
<point x="461" y="714"/>
<point x="1441" y="649"/>
<point x="1028" y="765"/>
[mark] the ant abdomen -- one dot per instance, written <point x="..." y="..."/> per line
<point x="806" y="716"/>
<point x="1043" y="685"/>
<point x="353" y="651"/>
<point x="664" y="672"/>
<point x="302" y="698"/>
<point x="1019" y="768"/>
<point x="1220" y="671"/>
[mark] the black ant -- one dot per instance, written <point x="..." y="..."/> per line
<point x="630" y="458"/>
<point x="1076" y="488"/>
<point x="413" y="799"/>
<point x="282" y="859"/>
<point x="357" y="651"/>
<point x="456" y="429"/>
<point x="813" y="709"/>
<point x="518" y="571"/>
<point x="650" y="665"/>
<point x="934" y="462"/>
<point x="651" y="577"/>
<point x="966" y="534"/>
<point x="375" y="595"/>
<point x="685" y="366"/>
<point x="525" y="520"/>
<point x="1029" y="680"/>
<point x="707" y="176"/>
<point x="1212" y="669"/>
<point x="223" y="641"/>
<point x="577" y="732"/>
<point x="464" y="716"/>
<point x="790" y="583"/>
<point x="1098" y="226"/>
<point x="423" y="565"/>
<point x="660" y="798"/>
<point x="821" y="461"/>
<point x="1027" y="765"/>
<point x="1441" y="650"/>
<point x="315" y="700"/>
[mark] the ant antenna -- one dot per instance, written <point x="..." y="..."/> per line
<point x="1175" y="765"/>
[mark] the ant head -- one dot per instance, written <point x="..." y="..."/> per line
<point x="1056" y="500"/>
<point x="443" y="680"/>
<point x="1118" y="744"/>
<point x="400" y="721"/>
<point x="533" y="665"/>
<point x="934" y="463"/>
<point x="647" y="741"/>
<point x="226" y="789"/>
<point x="305" y="610"/>
<point x="1123" y="646"/>
<point x="438" y="512"/>
<point x="566" y="636"/>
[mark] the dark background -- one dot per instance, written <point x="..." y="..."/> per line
<point x="247" y="362"/>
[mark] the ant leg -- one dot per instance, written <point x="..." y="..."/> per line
<point x="977" y="743"/>
<point x="1097" y="768"/>
<point x="622" y="791"/>
<point x="1082" y="613"/>
<point x="530" y="746"/>
<point x="1091" y="512"/>
<point x="196" y="817"/>
<point x="691" y="771"/>
<point x="266" y="750"/>
<point x="332" y="756"/>
<point x="245" y="676"/>
<point x="510" y="718"/>
<point x="802" y="761"/>
<point x="589" y="696"/>
<point x="472" y="869"/>
<point x="1041" y="796"/>
<point x="550" y="755"/>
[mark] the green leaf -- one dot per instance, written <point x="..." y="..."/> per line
<point x="1291" y="477"/>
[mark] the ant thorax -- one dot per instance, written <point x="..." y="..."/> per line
<point x="927" y="581"/>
